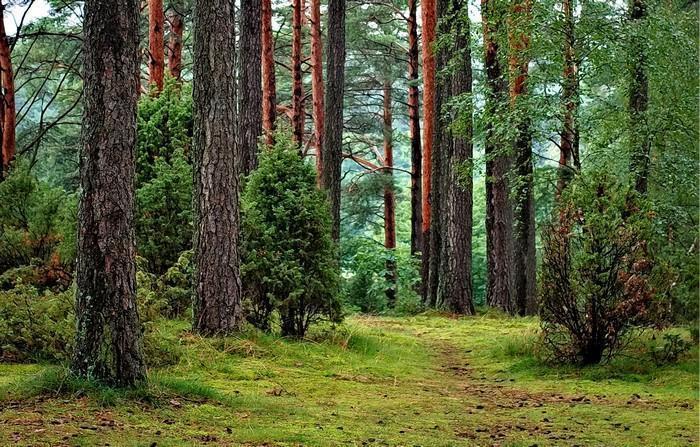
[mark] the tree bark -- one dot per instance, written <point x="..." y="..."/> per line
<point x="499" y="213"/>
<point x="176" y="20"/>
<point x="640" y="144"/>
<point x="269" y="104"/>
<point x="389" y="198"/>
<point x="7" y="108"/>
<point x="414" y="129"/>
<point x="428" y="13"/>
<point x="297" y="85"/>
<point x="108" y="339"/>
<point x="156" y="43"/>
<point x="317" y="83"/>
<point x="217" y="284"/>
<point x="455" y="274"/>
<point x="569" y="159"/>
<point x="250" y="94"/>
<point x="335" y="87"/>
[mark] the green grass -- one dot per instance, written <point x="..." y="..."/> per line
<point x="426" y="380"/>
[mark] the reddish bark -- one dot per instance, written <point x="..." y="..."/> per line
<point x="389" y="198"/>
<point x="268" y="72"/>
<point x="317" y="83"/>
<point x="177" y="29"/>
<point x="156" y="43"/>
<point x="414" y="128"/>
<point x="297" y="86"/>
<point x="569" y="161"/>
<point x="8" y="100"/>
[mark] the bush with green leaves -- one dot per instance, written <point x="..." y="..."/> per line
<point x="289" y="261"/>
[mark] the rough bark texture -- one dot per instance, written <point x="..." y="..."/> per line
<point x="335" y="87"/>
<point x="640" y="144"/>
<point x="250" y="96"/>
<point x="176" y="20"/>
<point x="455" y="270"/>
<point x="7" y="108"/>
<point x="414" y="129"/>
<point x="499" y="213"/>
<point x="269" y="105"/>
<point x="524" y="261"/>
<point x="108" y="339"/>
<point x="217" y="284"/>
<point x="317" y="83"/>
<point x="428" y="16"/>
<point x="389" y="198"/>
<point x="156" y="43"/>
<point x="297" y="85"/>
<point x="569" y="160"/>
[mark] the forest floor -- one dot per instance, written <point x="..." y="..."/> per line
<point x="377" y="381"/>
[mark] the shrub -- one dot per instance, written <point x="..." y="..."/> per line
<point x="595" y="270"/>
<point x="673" y="347"/>
<point x="289" y="258"/>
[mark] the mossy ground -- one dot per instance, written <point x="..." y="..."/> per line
<point x="426" y="380"/>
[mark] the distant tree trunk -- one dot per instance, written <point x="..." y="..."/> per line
<point x="389" y="198"/>
<point x="414" y="129"/>
<point x="428" y="12"/>
<point x="177" y="28"/>
<point x="297" y="85"/>
<point x="156" y="43"/>
<point x="317" y="83"/>
<point x="269" y="101"/>
<point x="640" y="144"/>
<point x="7" y="108"/>
<point x="108" y="338"/>
<point x="335" y="87"/>
<point x="499" y="213"/>
<point x="569" y="159"/>
<point x="524" y="261"/>
<point x="250" y="97"/>
<point x="455" y="270"/>
<point x="217" y="281"/>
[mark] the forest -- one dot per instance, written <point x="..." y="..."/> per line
<point x="349" y="223"/>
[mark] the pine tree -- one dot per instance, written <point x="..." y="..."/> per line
<point x="156" y="43"/>
<point x="250" y="86"/>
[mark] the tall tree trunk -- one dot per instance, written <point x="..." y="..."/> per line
<point x="428" y="12"/>
<point x="414" y="129"/>
<point x="108" y="338"/>
<point x="524" y="207"/>
<point x="297" y="85"/>
<point x="317" y="83"/>
<point x="640" y="144"/>
<point x="499" y="213"/>
<point x="176" y="20"/>
<point x="7" y="108"/>
<point x="269" y="104"/>
<point x="455" y="274"/>
<point x="156" y="43"/>
<point x="569" y="159"/>
<point x="217" y="291"/>
<point x="250" y="97"/>
<point x="335" y="87"/>
<point x="389" y="198"/>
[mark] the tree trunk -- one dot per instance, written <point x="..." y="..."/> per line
<point x="524" y="261"/>
<point x="455" y="274"/>
<point x="177" y="28"/>
<point x="335" y="87"/>
<point x="640" y="144"/>
<point x="569" y="160"/>
<point x="317" y="83"/>
<point x="108" y="339"/>
<point x="429" y="24"/>
<point x="297" y="85"/>
<point x="269" y="104"/>
<point x="217" y="284"/>
<point x="414" y="129"/>
<point x="389" y="198"/>
<point x="499" y="213"/>
<point x="156" y="43"/>
<point x="250" y="87"/>
<point x="7" y="108"/>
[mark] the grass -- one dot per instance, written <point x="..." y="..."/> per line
<point x="426" y="380"/>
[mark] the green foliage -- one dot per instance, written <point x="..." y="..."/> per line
<point x="673" y="348"/>
<point x="289" y="259"/>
